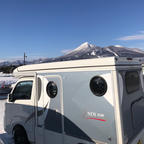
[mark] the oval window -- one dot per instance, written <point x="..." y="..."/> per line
<point x="98" y="86"/>
<point x="52" y="89"/>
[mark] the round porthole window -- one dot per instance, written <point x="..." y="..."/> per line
<point x="52" y="89"/>
<point x="98" y="86"/>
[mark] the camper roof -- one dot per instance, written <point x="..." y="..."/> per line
<point x="100" y="62"/>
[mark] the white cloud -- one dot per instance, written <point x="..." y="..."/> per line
<point x="133" y="37"/>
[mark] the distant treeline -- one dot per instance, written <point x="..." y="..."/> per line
<point x="7" y="69"/>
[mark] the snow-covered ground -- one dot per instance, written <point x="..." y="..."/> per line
<point x="4" y="137"/>
<point x="6" y="79"/>
<point x="2" y="109"/>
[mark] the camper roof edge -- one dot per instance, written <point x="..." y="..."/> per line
<point x="108" y="61"/>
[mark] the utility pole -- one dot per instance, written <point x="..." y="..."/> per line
<point x="25" y="58"/>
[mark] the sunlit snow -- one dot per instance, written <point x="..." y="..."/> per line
<point x="6" y="79"/>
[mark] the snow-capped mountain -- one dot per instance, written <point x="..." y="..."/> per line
<point x="85" y="51"/>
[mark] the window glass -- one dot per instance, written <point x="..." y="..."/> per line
<point x="98" y="86"/>
<point x="52" y="89"/>
<point x="39" y="88"/>
<point x="23" y="90"/>
<point x="132" y="81"/>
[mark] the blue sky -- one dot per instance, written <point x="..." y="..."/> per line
<point x="44" y="28"/>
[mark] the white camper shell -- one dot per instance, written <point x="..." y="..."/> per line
<point x="94" y="101"/>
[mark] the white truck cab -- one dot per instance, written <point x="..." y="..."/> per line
<point x="94" y="101"/>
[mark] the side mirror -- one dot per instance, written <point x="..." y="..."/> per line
<point x="11" y="98"/>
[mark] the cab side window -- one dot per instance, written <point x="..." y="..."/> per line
<point x="23" y="90"/>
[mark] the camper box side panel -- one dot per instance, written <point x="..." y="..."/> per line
<point x="87" y="116"/>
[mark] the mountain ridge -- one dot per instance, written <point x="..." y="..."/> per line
<point x="85" y="51"/>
